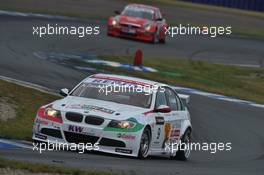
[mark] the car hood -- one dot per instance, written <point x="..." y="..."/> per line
<point x="134" y="20"/>
<point x="109" y="110"/>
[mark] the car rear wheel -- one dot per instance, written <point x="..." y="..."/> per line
<point x="184" y="153"/>
<point x="144" y="144"/>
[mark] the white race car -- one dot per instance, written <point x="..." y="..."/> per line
<point x="120" y="115"/>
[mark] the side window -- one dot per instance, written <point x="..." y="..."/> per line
<point x="160" y="99"/>
<point x="180" y="106"/>
<point x="158" y="15"/>
<point x="172" y="99"/>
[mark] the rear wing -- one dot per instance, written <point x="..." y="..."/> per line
<point x="184" y="98"/>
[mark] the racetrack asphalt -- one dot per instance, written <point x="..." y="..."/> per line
<point x="213" y="120"/>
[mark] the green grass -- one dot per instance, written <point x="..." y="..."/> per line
<point x="26" y="102"/>
<point x="240" y="82"/>
<point x="42" y="168"/>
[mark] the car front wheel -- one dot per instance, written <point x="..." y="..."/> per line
<point x="144" y="144"/>
<point x="156" y="38"/>
<point x="163" y="40"/>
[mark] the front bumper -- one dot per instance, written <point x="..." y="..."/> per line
<point x="138" y="34"/>
<point x="109" y="141"/>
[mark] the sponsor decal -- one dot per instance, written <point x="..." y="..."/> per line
<point x="90" y="108"/>
<point x="139" y="9"/>
<point x="116" y="80"/>
<point x="96" y="108"/>
<point x="126" y="151"/>
<point x="175" y="133"/>
<point x="74" y="106"/>
<point x="160" y="120"/>
<point x="55" y="125"/>
<point x="159" y="133"/>
<point x="167" y="130"/>
<point x="39" y="136"/>
<point x="42" y="122"/>
<point x="91" y="132"/>
<point x="126" y="136"/>
<point x="77" y="129"/>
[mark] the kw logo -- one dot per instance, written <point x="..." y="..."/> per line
<point x="78" y="129"/>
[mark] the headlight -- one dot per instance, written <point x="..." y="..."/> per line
<point x="114" y="22"/>
<point x="148" y="27"/>
<point x="53" y="113"/>
<point x="121" y="124"/>
<point x="49" y="113"/>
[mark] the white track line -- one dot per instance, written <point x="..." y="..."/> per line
<point x="29" y="85"/>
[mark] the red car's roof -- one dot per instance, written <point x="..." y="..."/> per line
<point x="144" y="6"/>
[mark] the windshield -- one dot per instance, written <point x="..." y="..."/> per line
<point x="138" y="12"/>
<point x="124" y="96"/>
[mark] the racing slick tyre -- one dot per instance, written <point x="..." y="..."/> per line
<point x="108" y="34"/>
<point x="156" y="38"/>
<point x="163" y="41"/>
<point x="184" y="154"/>
<point x="144" y="144"/>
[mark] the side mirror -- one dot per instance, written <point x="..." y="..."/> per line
<point x="163" y="109"/>
<point x="117" y="12"/>
<point x="64" y="92"/>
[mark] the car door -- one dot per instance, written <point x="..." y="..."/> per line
<point x="173" y="121"/>
<point x="159" y="118"/>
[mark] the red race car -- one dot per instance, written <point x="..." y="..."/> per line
<point x="140" y="22"/>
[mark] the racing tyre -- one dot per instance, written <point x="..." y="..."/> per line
<point x="156" y="39"/>
<point x="108" y="34"/>
<point x="144" y="144"/>
<point x="162" y="41"/>
<point x="184" y="154"/>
